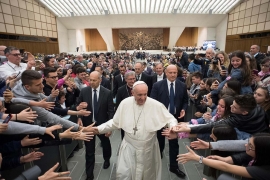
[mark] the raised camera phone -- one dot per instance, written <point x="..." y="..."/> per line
<point x="209" y="110"/>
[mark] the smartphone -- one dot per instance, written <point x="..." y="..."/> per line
<point x="205" y="98"/>
<point x="209" y="110"/>
<point x="7" y="86"/>
<point x="223" y="67"/>
<point x="7" y="118"/>
<point x="255" y="71"/>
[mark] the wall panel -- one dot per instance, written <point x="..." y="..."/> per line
<point x="94" y="41"/>
<point x="115" y="38"/>
<point x="33" y="47"/>
<point x="188" y="37"/>
<point x="166" y="36"/>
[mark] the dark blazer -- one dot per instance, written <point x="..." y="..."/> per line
<point x="259" y="57"/>
<point x="105" y="105"/>
<point x="105" y="83"/>
<point x="154" y="78"/>
<point x="160" y="93"/>
<point x="148" y="80"/>
<point x="183" y="60"/>
<point x="117" y="83"/>
<point x="148" y="71"/>
<point x="122" y="94"/>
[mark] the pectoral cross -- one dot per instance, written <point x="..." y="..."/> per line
<point x="135" y="129"/>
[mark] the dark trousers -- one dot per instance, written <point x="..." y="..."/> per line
<point x="173" y="146"/>
<point x="90" y="152"/>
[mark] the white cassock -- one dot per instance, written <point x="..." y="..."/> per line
<point x="139" y="155"/>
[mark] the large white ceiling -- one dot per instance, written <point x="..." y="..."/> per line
<point x="67" y="8"/>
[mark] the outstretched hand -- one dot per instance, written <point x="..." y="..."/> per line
<point x="182" y="114"/>
<point x="169" y="134"/>
<point x="89" y="128"/>
<point x="49" y="130"/>
<point x="181" y="128"/>
<point x="191" y="155"/>
<point x="46" y="105"/>
<point x="200" y="144"/>
<point x="51" y="175"/>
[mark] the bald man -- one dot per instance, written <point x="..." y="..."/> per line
<point x="100" y="102"/>
<point x="172" y="93"/>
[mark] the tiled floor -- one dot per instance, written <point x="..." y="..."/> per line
<point x="76" y="164"/>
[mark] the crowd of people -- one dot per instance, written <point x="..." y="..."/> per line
<point x="146" y="97"/>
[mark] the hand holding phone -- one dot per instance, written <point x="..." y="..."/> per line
<point x="209" y="110"/>
<point x="255" y="72"/>
<point x="7" y="118"/>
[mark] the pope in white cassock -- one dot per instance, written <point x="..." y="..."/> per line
<point x="140" y="117"/>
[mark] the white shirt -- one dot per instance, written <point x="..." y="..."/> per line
<point x="98" y="90"/>
<point x="10" y="69"/>
<point x="160" y="77"/>
<point x="169" y="87"/>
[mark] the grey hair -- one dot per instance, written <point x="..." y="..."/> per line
<point x="9" y="49"/>
<point x="213" y="51"/>
<point x="129" y="73"/>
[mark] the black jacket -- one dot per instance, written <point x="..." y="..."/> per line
<point x="253" y="122"/>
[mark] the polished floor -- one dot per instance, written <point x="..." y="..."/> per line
<point x="76" y="164"/>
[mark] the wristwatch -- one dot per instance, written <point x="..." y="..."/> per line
<point x="201" y="158"/>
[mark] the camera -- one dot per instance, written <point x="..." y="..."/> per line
<point x="215" y="60"/>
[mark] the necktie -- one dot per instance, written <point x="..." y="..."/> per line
<point x="171" y="99"/>
<point x="138" y="77"/>
<point x="95" y="103"/>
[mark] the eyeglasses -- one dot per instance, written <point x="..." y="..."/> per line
<point x="264" y="65"/>
<point x="16" y="55"/>
<point x="250" y="147"/>
<point x="54" y="77"/>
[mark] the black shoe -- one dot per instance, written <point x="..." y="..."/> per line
<point x="178" y="172"/>
<point x="90" y="178"/>
<point x="106" y="164"/>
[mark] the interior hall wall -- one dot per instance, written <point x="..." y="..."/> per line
<point x="29" y="18"/>
<point x="166" y="36"/>
<point x="188" y="37"/>
<point x="252" y="16"/>
<point x="116" y="38"/>
<point x="33" y="47"/>
<point x="94" y="41"/>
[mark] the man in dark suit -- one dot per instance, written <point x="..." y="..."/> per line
<point x="173" y="94"/>
<point x="104" y="82"/>
<point x="125" y="91"/>
<point x="159" y="75"/>
<point x="141" y="76"/>
<point x="119" y="80"/>
<point x="100" y="102"/>
<point x="181" y="58"/>
<point x="148" y="70"/>
<point x="255" y="52"/>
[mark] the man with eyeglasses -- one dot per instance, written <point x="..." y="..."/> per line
<point x="13" y="66"/>
<point x="3" y="58"/>
<point x="51" y="78"/>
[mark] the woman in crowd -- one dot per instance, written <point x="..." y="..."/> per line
<point x="262" y="97"/>
<point x="49" y="61"/>
<point x="238" y="69"/>
<point x="256" y="160"/>
<point x="218" y="69"/>
<point x="264" y="75"/>
<point x="251" y="61"/>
